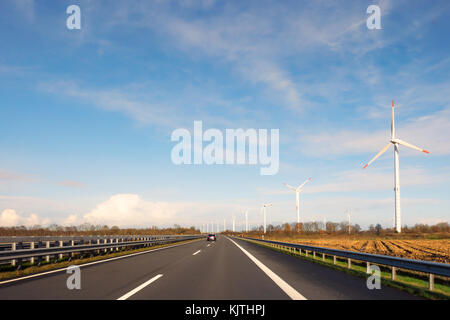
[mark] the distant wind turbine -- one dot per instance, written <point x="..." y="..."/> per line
<point x="297" y="191"/>
<point x="264" y="206"/>
<point x="395" y="142"/>
<point x="246" y="220"/>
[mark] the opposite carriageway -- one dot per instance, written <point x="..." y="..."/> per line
<point x="16" y="250"/>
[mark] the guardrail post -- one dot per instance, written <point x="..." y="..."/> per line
<point x="431" y="282"/>
<point x="98" y="242"/>
<point x="394" y="273"/>
<point x="13" y="248"/>
<point x="349" y="263"/>
<point x="47" y="245"/>
<point x="367" y="267"/>
<point x="334" y="259"/>
<point x="323" y="256"/>
<point x="32" y="247"/>
<point x="39" y="259"/>
<point x="61" y="244"/>
<point x="72" y="243"/>
<point x="306" y="253"/>
<point x="314" y="254"/>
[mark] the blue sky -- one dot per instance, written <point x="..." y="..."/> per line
<point x="86" y="115"/>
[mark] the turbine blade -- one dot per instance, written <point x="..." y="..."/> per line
<point x="406" y="144"/>
<point x="301" y="186"/>
<point x="378" y="154"/>
<point x="393" y="122"/>
<point x="290" y="187"/>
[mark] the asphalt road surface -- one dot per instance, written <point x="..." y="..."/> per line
<point x="201" y="270"/>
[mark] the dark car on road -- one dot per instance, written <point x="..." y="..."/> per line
<point x="211" y="237"/>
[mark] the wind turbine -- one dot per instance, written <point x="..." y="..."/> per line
<point x="395" y="142"/>
<point x="297" y="191"/>
<point x="264" y="206"/>
<point x="246" y="220"/>
<point x="234" y="218"/>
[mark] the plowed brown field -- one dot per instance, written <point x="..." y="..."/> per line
<point x="430" y="250"/>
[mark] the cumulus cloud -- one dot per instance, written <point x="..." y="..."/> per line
<point x="132" y="210"/>
<point x="122" y="210"/>
<point x="10" y="218"/>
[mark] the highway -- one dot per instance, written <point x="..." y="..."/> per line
<point x="229" y="269"/>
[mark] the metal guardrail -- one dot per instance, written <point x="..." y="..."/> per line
<point x="16" y="256"/>
<point x="431" y="268"/>
<point x="12" y="239"/>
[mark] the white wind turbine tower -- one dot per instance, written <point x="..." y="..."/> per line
<point x="395" y="142"/>
<point x="234" y="222"/>
<point x="297" y="191"/>
<point x="224" y="225"/>
<point x="246" y="220"/>
<point x="264" y="206"/>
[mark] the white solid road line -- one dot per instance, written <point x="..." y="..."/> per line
<point x="291" y="292"/>
<point x="196" y="252"/>
<point x="91" y="263"/>
<point x="142" y="286"/>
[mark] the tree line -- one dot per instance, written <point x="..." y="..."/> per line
<point x="89" y="229"/>
<point x="344" y="227"/>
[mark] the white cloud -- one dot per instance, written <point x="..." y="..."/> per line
<point x="10" y="218"/>
<point x="142" y="110"/>
<point x="132" y="210"/>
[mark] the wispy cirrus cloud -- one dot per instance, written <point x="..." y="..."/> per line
<point x="71" y="184"/>
<point x="429" y="132"/>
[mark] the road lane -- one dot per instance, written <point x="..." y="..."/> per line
<point x="108" y="280"/>
<point x="221" y="271"/>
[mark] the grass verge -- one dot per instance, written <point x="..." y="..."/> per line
<point x="416" y="285"/>
<point x="8" y="272"/>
